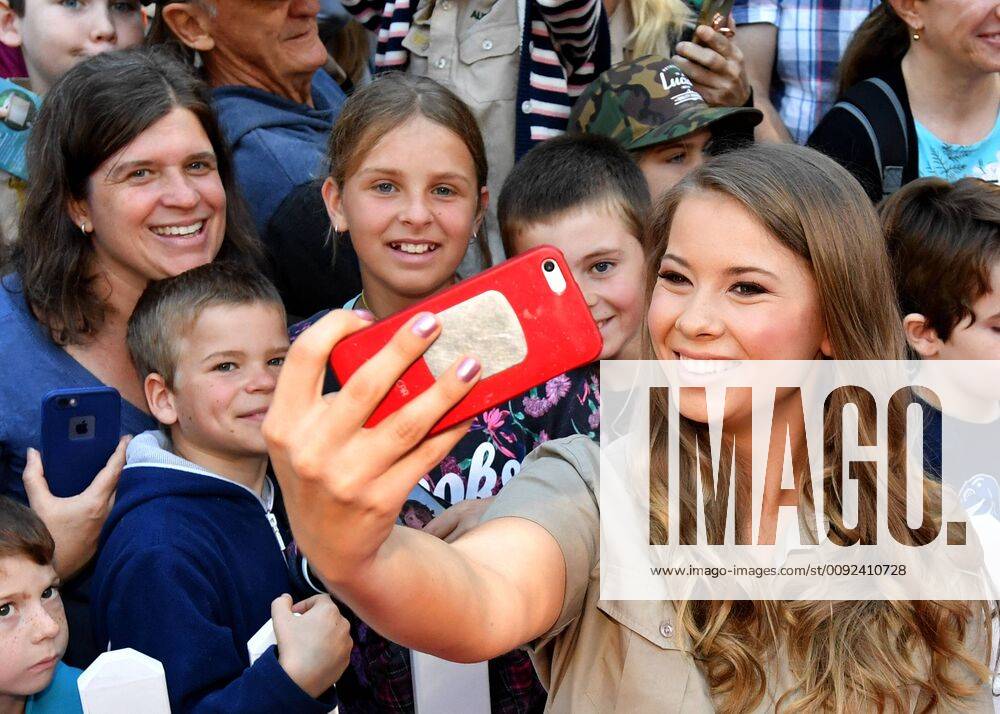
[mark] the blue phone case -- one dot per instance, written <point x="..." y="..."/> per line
<point x="80" y="431"/>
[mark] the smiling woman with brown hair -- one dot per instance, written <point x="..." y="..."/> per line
<point x="803" y="225"/>
<point x="920" y="95"/>
<point x="131" y="182"/>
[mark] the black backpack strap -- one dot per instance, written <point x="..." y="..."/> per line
<point x="884" y="120"/>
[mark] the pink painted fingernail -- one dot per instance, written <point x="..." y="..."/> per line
<point x="365" y="315"/>
<point x="425" y="325"/>
<point x="468" y="369"/>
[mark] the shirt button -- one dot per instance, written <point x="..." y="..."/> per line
<point x="487" y="44"/>
<point x="442" y="63"/>
<point x="526" y="106"/>
<point x="667" y="630"/>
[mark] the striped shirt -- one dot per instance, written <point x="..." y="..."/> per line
<point x="812" y="37"/>
<point x="563" y="47"/>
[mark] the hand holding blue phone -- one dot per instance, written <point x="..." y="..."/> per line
<point x="75" y="522"/>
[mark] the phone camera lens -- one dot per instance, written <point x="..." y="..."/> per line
<point x="549" y="266"/>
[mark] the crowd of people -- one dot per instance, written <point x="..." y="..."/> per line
<point x="220" y="191"/>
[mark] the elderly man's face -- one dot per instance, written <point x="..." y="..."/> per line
<point x="278" y="38"/>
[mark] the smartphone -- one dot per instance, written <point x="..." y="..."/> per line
<point x="715" y="13"/>
<point x="525" y="320"/>
<point x="80" y="431"/>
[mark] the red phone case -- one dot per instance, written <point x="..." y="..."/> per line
<point x="559" y="333"/>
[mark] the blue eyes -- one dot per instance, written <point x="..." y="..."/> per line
<point x="386" y="187"/>
<point x="125" y="8"/>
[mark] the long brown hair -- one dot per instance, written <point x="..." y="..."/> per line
<point x="815" y="208"/>
<point x="880" y="41"/>
<point x="389" y="101"/>
<point x="92" y="112"/>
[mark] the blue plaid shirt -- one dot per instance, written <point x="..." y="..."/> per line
<point x="812" y="37"/>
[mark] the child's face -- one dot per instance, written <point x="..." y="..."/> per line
<point x="979" y="339"/>
<point x="55" y="35"/>
<point x="33" y="631"/>
<point x="413" y="519"/>
<point x="224" y="381"/>
<point x="665" y="165"/>
<point x="411" y="209"/>
<point x="607" y="263"/>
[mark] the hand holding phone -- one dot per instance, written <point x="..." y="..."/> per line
<point x="525" y="320"/>
<point x="712" y="60"/>
<point x="715" y="14"/>
<point x="344" y="483"/>
<point x="75" y="522"/>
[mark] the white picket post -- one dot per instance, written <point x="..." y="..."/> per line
<point x="443" y="686"/>
<point x="124" y="681"/>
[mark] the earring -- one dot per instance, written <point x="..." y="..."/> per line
<point x="83" y="228"/>
<point x="916" y="36"/>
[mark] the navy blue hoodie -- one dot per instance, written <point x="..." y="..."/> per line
<point x="188" y="566"/>
<point x="277" y="144"/>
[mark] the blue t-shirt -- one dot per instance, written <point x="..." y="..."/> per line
<point x="955" y="161"/>
<point x="60" y="697"/>
<point x="31" y="365"/>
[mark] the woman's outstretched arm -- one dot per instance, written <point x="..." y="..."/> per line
<point x="497" y="587"/>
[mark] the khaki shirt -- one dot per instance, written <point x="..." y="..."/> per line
<point x="624" y="657"/>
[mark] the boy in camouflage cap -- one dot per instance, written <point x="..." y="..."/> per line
<point x="651" y="108"/>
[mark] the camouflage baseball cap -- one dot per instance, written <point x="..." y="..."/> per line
<point x="650" y="101"/>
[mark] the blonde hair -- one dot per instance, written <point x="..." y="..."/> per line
<point x="656" y="25"/>
<point x="844" y="656"/>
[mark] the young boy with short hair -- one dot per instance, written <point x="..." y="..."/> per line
<point x="944" y="240"/>
<point x="33" y="630"/>
<point x="586" y="196"/>
<point x="191" y="562"/>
